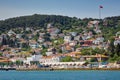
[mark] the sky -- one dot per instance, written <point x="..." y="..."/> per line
<point x="72" y="8"/>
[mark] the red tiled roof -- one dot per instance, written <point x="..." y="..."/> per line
<point x="85" y="45"/>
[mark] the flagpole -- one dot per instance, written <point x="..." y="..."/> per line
<point x="99" y="13"/>
<point x="100" y="7"/>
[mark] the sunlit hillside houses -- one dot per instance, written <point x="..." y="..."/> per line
<point x="67" y="38"/>
<point x="33" y="44"/>
<point x="49" y="46"/>
<point x="33" y="58"/>
<point x="10" y="33"/>
<point x="93" y="23"/>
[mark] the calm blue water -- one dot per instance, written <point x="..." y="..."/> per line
<point x="59" y="75"/>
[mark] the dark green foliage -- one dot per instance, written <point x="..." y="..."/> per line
<point x="25" y="47"/>
<point x="114" y="52"/>
<point x="93" y="60"/>
<point x="90" y="51"/>
<point x="67" y="59"/>
<point x="1" y="54"/>
<point x="113" y="21"/>
<point x="117" y="50"/>
<point x="47" y="37"/>
<point x="34" y="21"/>
<point x="113" y="26"/>
<point x="37" y="20"/>
<point x="11" y="43"/>
<point x="18" y="62"/>
<point x="34" y="62"/>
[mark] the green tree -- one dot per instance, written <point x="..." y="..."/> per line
<point x="44" y="50"/>
<point x="25" y="47"/>
<point x="67" y="59"/>
<point x="18" y="62"/>
<point x="86" y="51"/>
<point x="36" y="36"/>
<point x="111" y="49"/>
<point x="0" y="54"/>
<point x="117" y="49"/>
<point x="93" y="60"/>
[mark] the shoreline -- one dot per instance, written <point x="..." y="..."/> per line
<point x="53" y="69"/>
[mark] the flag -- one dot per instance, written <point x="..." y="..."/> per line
<point x="100" y="6"/>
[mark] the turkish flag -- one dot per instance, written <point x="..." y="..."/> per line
<point x="100" y="6"/>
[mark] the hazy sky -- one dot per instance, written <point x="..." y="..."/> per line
<point x="77" y="8"/>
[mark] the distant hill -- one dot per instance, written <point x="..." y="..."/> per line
<point x="34" y="21"/>
<point x="37" y="20"/>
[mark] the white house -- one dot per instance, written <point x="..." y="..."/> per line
<point x="53" y="35"/>
<point x="73" y="43"/>
<point x="98" y="40"/>
<point x="77" y="38"/>
<point x="97" y="30"/>
<point x="41" y="39"/>
<point x="36" y="57"/>
<point x="93" y="23"/>
<point x="88" y="37"/>
<point x="118" y="33"/>
<point x="101" y="39"/>
<point x="61" y="35"/>
<point x="50" y="59"/>
<point x="41" y="34"/>
<point x="116" y="42"/>
<point x="32" y="58"/>
<point x="34" y="44"/>
<point x="84" y="37"/>
<point x="10" y="33"/>
<point x="27" y="29"/>
<point x="56" y="30"/>
<point x="49" y="25"/>
<point x="67" y="38"/>
<point x="53" y="30"/>
<point x="49" y="53"/>
<point x="18" y="36"/>
<point x="73" y="33"/>
<point x="28" y="60"/>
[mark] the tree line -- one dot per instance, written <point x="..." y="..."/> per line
<point x="37" y="20"/>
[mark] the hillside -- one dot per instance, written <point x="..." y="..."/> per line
<point x="37" y="20"/>
<point x="109" y="25"/>
<point x="62" y="22"/>
<point x="52" y="34"/>
<point x="34" y="21"/>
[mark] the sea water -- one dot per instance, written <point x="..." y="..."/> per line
<point x="60" y="75"/>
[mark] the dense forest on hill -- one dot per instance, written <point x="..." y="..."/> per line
<point x="36" y="20"/>
<point x="113" y="21"/>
